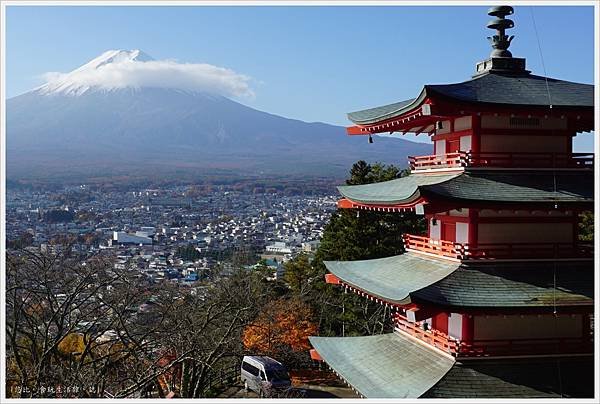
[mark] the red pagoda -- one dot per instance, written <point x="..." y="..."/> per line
<point x="497" y="299"/>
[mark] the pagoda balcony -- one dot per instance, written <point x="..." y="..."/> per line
<point x="459" y="160"/>
<point x="449" y="160"/>
<point x="428" y="245"/>
<point x="432" y="337"/>
<point x="497" y="251"/>
<point x="540" y="346"/>
<point x="493" y="347"/>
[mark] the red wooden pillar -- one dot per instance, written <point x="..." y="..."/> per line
<point x="473" y="226"/>
<point x="452" y="145"/>
<point x="467" y="328"/>
<point x="428" y="218"/>
<point x="448" y="231"/>
<point x="476" y="137"/>
<point x="440" y="322"/>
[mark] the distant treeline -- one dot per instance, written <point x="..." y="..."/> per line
<point x="58" y="216"/>
<point x="200" y="186"/>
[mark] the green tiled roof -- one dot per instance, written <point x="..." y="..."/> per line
<point x="403" y="189"/>
<point x="392" y="278"/>
<point x="519" y="90"/>
<point x="513" y="186"/>
<point x="410" y="276"/>
<point x="496" y="186"/>
<point x="380" y="113"/>
<point x="514" y="285"/>
<point x="491" y="88"/>
<point x="384" y="366"/>
<point x="396" y="366"/>
<point x="525" y="378"/>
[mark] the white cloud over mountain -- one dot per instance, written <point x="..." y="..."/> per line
<point x="123" y="69"/>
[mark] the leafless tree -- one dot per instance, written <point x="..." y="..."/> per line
<point x="83" y="328"/>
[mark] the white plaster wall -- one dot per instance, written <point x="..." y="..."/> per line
<point x="434" y="230"/>
<point x="462" y="232"/>
<point x="440" y="147"/>
<point x="445" y="128"/>
<point x="527" y="326"/>
<point x="525" y="233"/>
<point x="465" y="143"/>
<point x="455" y="325"/>
<point x="462" y="123"/>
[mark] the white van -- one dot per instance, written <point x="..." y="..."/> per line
<point x="263" y="375"/>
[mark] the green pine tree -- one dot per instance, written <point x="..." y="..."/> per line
<point x="355" y="235"/>
<point x="586" y="226"/>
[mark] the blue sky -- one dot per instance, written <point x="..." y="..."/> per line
<point x="309" y="63"/>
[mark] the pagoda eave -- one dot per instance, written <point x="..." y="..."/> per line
<point x="415" y="124"/>
<point x="413" y="278"/>
<point x="397" y="365"/>
<point x="432" y="105"/>
<point x="380" y="356"/>
<point x="346" y="203"/>
<point x="391" y="279"/>
<point x="580" y="119"/>
<point x="548" y="190"/>
<point x="439" y="204"/>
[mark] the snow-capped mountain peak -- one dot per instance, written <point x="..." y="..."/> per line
<point x="133" y="70"/>
<point x="116" y="56"/>
<point x="93" y="75"/>
<point x="124" y="113"/>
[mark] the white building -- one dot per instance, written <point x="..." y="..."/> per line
<point x="121" y="237"/>
<point x="278" y="247"/>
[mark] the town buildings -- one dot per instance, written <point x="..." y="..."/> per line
<point x="497" y="299"/>
<point x="147" y="229"/>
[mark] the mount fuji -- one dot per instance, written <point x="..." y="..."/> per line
<point x="123" y="111"/>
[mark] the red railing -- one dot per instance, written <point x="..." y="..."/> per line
<point x="429" y="245"/>
<point x="502" y="160"/>
<point x="507" y="347"/>
<point x="494" y="347"/>
<point x="527" y="160"/>
<point x="524" y="250"/>
<point x="489" y="251"/>
<point x="437" y="161"/>
<point x="433" y="337"/>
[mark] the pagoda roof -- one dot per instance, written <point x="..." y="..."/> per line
<point x="524" y="284"/>
<point x="518" y="378"/>
<point x="411" y="277"/>
<point x="484" y="186"/>
<point x="383" y="112"/>
<point x="397" y="366"/>
<point x="490" y="88"/>
<point x="398" y="191"/>
<point x="394" y="278"/>
<point x="384" y="366"/>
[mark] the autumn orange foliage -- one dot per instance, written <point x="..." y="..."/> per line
<point x="72" y="344"/>
<point x="285" y="322"/>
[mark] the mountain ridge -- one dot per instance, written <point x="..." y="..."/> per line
<point x="170" y="126"/>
